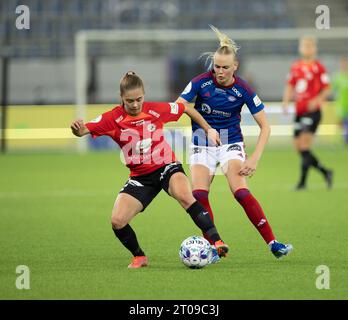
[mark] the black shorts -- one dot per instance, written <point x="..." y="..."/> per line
<point x="307" y="122"/>
<point x="146" y="187"/>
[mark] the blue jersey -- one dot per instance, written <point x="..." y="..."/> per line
<point x="220" y="106"/>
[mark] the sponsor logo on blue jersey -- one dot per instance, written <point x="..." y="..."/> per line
<point x="236" y="92"/>
<point x="207" y="83"/>
<point x="219" y="90"/>
<point x="232" y="98"/>
<point x="206" y="108"/>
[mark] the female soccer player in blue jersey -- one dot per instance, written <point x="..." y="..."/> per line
<point x="220" y="96"/>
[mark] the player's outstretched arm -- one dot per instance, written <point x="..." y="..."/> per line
<point x="78" y="128"/>
<point x="249" y="165"/>
<point x="211" y="133"/>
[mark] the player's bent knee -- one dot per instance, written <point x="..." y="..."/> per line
<point x="118" y="222"/>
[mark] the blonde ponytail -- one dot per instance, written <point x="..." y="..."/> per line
<point x="224" y="40"/>
<point x="226" y="46"/>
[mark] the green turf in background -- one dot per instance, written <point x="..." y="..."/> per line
<point x="55" y="218"/>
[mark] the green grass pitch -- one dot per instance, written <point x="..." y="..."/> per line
<point x="55" y="219"/>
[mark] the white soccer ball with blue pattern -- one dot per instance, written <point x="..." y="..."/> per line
<point x="195" y="252"/>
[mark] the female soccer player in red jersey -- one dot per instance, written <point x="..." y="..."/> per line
<point x="137" y="127"/>
<point x="220" y="96"/>
<point x="309" y="83"/>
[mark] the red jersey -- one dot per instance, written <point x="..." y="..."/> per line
<point x="141" y="137"/>
<point x="308" y="79"/>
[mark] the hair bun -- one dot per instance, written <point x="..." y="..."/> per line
<point x="130" y="73"/>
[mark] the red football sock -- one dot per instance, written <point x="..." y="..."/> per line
<point x="255" y="213"/>
<point x="202" y="197"/>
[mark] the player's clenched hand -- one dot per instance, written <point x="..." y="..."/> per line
<point x="78" y="127"/>
<point x="248" y="168"/>
<point x="214" y="136"/>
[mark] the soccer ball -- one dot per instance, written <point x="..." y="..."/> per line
<point x="195" y="252"/>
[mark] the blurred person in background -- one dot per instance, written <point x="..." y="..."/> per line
<point x="340" y="87"/>
<point x="309" y="85"/>
<point x="220" y="96"/>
